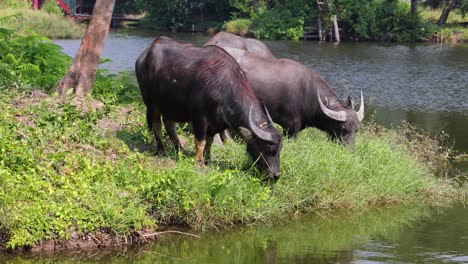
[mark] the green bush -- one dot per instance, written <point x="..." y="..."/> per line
<point x="396" y="23"/>
<point x="170" y="14"/>
<point x="51" y="6"/>
<point x="238" y="26"/>
<point x="277" y="23"/>
<point x="358" y="18"/>
<point x="31" y="61"/>
<point x="388" y="20"/>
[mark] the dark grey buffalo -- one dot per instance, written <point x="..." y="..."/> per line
<point x="297" y="97"/>
<point x="224" y="39"/>
<point x="206" y="87"/>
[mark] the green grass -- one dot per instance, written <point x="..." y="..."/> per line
<point x="62" y="170"/>
<point x="51" y="25"/>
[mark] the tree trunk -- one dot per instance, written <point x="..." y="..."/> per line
<point x="337" y="30"/>
<point x="449" y="4"/>
<point x="82" y="74"/>
<point x="414" y="6"/>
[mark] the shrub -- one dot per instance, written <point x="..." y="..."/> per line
<point x="170" y="14"/>
<point x="238" y="26"/>
<point x="31" y="61"/>
<point x="277" y="23"/>
<point x="51" y="6"/>
<point x="396" y="23"/>
<point x="388" y="20"/>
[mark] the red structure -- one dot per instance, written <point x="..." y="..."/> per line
<point x="65" y="7"/>
<point x="36" y="4"/>
<point x="79" y="9"/>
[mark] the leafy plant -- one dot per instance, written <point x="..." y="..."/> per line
<point x="32" y="61"/>
<point x="51" y="6"/>
<point x="170" y="14"/>
<point x="16" y="3"/>
<point x="396" y="23"/>
<point x="277" y="23"/>
<point x="238" y="26"/>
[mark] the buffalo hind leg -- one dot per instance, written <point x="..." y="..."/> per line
<point x="200" y="145"/>
<point x="207" y="152"/>
<point x="171" y="131"/>
<point x="153" y="118"/>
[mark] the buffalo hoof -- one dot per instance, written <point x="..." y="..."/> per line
<point x="160" y="150"/>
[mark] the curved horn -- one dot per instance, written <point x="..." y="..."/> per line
<point x="337" y="115"/>
<point x="262" y="134"/>
<point x="360" y="113"/>
<point x="268" y="116"/>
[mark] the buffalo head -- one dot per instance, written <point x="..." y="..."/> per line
<point x="264" y="142"/>
<point x="345" y="123"/>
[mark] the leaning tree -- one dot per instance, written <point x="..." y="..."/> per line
<point x="449" y="5"/>
<point x="81" y="76"/>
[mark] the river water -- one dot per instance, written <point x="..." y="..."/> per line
<point x="423" y="84"/>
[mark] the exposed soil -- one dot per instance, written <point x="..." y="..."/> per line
<point x="100" y="239"/>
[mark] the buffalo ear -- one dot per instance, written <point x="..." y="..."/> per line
<point x="245" y="133"/>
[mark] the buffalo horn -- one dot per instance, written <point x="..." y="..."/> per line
<point x="268" y="115"/>
<point x="360" y="113"/>
<point x="262" y="134"/>
<point x="337" y="115"/>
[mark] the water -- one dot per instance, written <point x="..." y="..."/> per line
<point x="424" y="84"/>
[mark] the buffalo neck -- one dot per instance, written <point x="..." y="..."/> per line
<point x="237" y="114"/>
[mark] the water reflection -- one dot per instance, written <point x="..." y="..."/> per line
<point x="337" y="238"/>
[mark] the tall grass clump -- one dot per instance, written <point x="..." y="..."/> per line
<point x="51" y="25"/>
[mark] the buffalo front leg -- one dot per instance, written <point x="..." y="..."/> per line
<point x="200" y="145"/>
<point x="153" y="117"/>
<point x="171" y="131"/>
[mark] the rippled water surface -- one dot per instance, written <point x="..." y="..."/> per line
<point x="424" y="84"/>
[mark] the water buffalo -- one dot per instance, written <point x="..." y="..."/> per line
<point x="206" y="87"/>
<point x="224" y="39"/>
<point x="297" y="97"/>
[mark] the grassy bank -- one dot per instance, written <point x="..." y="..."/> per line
<point x="65" y="173"/>
<point x="54" y="26"/>
<point x="453" y="23"/>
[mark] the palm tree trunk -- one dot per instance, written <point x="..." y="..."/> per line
<point x="82" y="74"/>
